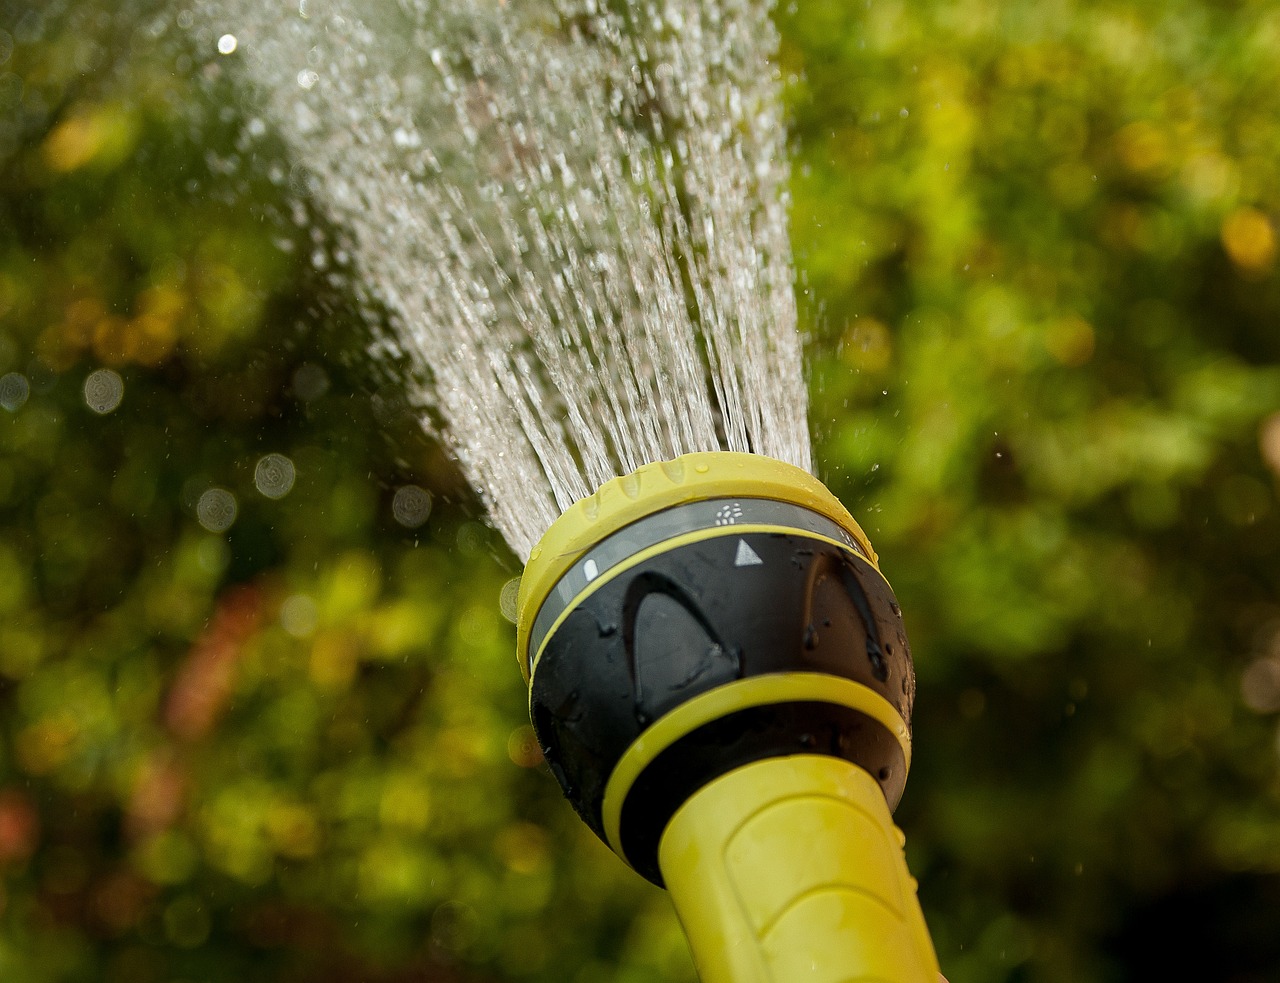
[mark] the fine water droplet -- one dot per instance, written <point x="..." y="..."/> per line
<point x="878" y="667"/>
<point x="227" y="44"/>
<point x="406" y="138"/>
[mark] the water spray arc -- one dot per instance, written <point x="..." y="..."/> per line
<point x="720" y="680"/>
<point x="573" y="217"/>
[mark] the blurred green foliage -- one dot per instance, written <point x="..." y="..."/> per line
<point x="283" y="738"/>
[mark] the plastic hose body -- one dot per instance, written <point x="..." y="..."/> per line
<point x="791" y="869"/>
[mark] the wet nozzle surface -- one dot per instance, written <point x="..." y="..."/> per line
<point x="700" y="615"/>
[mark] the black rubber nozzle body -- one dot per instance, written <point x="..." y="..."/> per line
<point x="694" y="607"/>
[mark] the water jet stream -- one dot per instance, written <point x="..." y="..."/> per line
<point x="575" y="214"/>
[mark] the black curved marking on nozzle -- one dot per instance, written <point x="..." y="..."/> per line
<point x="828" y="566"/>
<point x="670" y="643"/>
<point x="875" y="654"/>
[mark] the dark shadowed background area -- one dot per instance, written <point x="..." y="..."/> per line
<point x="260" y="718"/>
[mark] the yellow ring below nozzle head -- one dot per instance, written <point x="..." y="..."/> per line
<point x="689" y="478"/>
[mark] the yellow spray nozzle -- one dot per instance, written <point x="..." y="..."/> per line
<point x="699" y="476"/>
<point x="688" y="631"/>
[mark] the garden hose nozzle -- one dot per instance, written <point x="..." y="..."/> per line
<point x="720" y="680"/>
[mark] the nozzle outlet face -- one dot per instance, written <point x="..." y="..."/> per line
<point x="702" y="609"/>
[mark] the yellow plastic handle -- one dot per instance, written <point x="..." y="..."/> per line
<point x="791" y="869"/>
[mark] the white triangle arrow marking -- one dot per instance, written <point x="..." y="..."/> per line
<point x="747" y="557"/>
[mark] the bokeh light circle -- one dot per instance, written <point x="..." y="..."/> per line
<point x="103" y="391"/>
<point x="217" y="510"/>
<point x="14" y="390"/>
<point x="411" y="506"/>
<point x="310" y="382"/>
<point x="274" y="475"/>
<point x="299" y="615"/>
<point x="508" y="599"/>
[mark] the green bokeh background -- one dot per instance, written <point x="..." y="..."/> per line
<point x="1037" y="250"/>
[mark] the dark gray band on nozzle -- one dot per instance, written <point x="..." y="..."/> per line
<point x="668" y="524"/>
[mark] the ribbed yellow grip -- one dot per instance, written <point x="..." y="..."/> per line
<point x="791" y="869"/>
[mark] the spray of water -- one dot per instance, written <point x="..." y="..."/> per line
<point x="572" y="214"/>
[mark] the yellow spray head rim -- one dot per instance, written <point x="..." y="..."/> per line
<point x="689" y="478"/>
